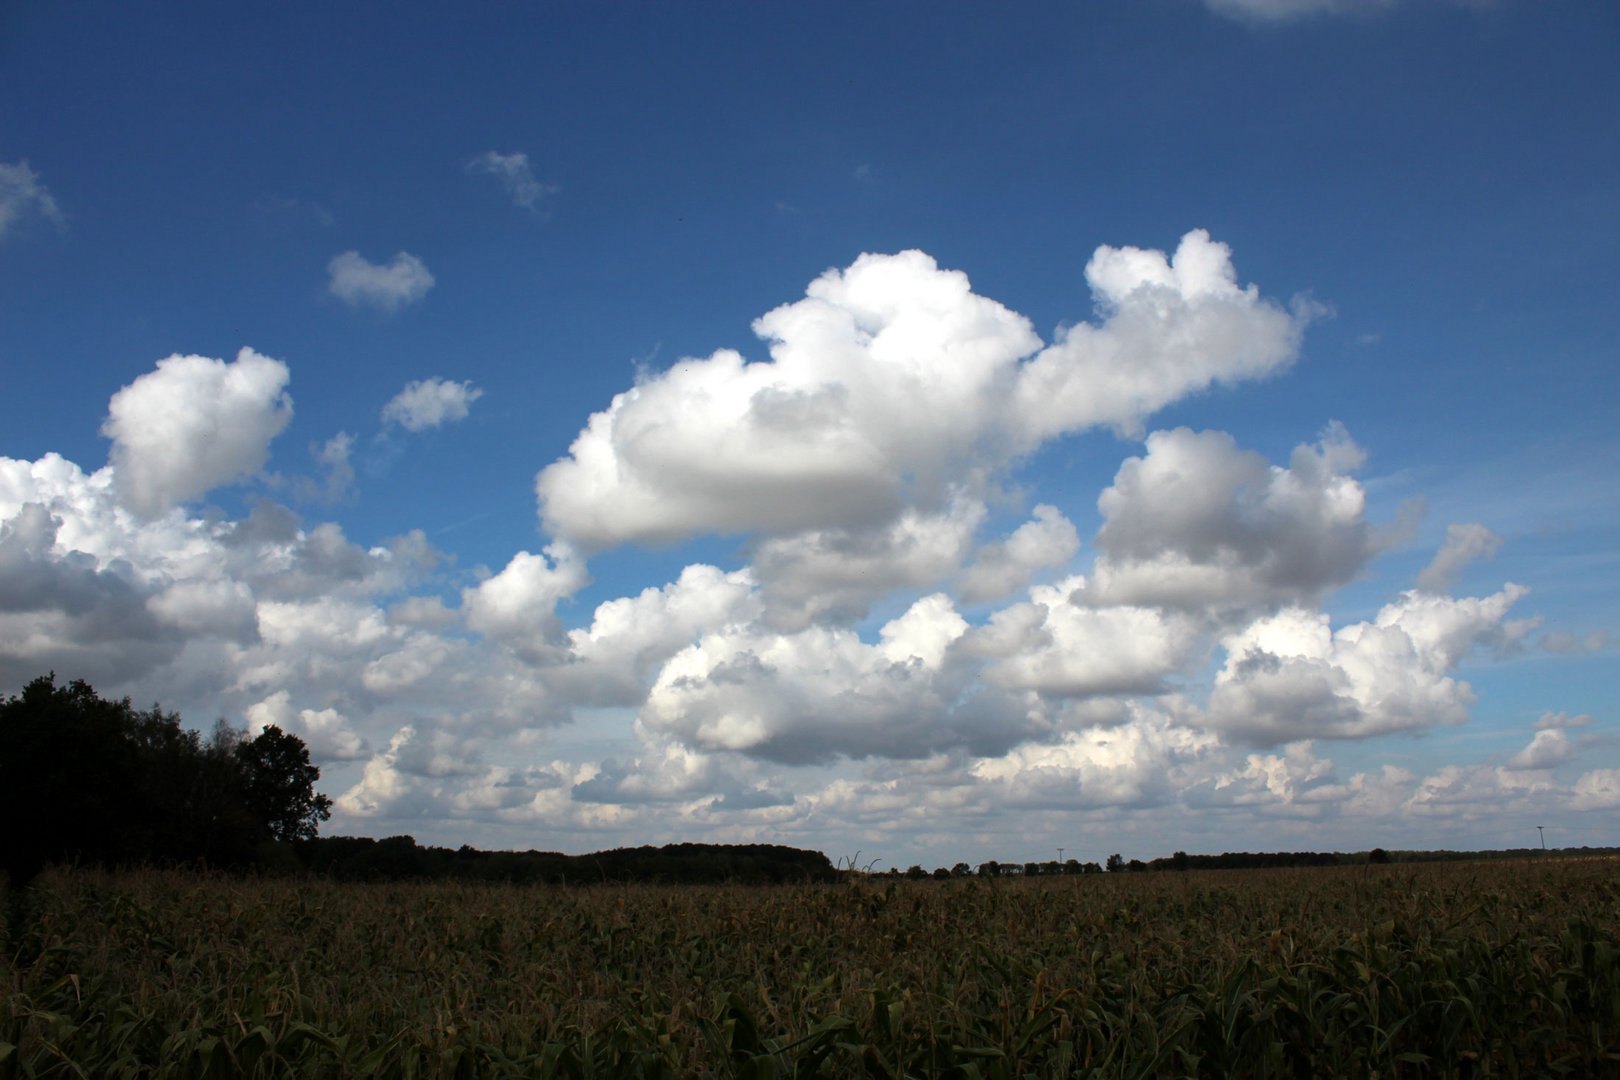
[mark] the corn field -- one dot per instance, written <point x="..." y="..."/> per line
<point x="1485" y="969"/>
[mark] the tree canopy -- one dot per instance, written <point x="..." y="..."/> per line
<point x="87" y="779"/>
<point x="279" y="785"/>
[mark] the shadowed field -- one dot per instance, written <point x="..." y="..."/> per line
<point x="1446" y="970"/>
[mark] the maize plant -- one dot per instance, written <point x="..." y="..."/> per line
<point x="1444" y="970"/>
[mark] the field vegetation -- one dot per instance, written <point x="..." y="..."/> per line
<point x="1502" y="969"/>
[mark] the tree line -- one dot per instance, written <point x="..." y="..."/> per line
<point x="394" y="858"/>
<point x="1232" y="860"/>
<point x="84" y="779"/>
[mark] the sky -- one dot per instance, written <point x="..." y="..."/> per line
<point x="920" y="433"/>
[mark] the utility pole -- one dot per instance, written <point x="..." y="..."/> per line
<point x="1060" y="856"/>
<point x="1543" y="837"/>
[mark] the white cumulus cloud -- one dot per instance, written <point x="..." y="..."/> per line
<point x="194" y="424"/>
<point x="213" y="616"/>
<point x="1144" y="761"/>
<point x="1289" y="676"/>
<point x="1172" y="326"/>
<point x="1057" y="645"/>
<point x="389" y="286"/>
<point x="893" y="387"/>
<point x="612" y="661"/>
<point x="326" y="732"/>
<point x="517" y="606"/>
<point x="820" y="693"/>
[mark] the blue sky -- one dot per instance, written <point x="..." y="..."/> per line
<point x="949" y="432"/>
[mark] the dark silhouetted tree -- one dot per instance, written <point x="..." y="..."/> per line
<point x="67" y="776"/>
<point x="280" y="785"/>
<point x="85" y="779"/>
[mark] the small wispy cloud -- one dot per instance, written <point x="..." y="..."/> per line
<point x="336" y="468"/>
<point x="283" y="208"/>
<point x="387" y="286"/>
<point x="22" y="194"/>
<point x="1565" y="643"/>
<point x="430" y="403"/>
<point x="1551" y="721"/>
<point x="1283" y="10"/>
<point x="515" y="175"/>
<point x="1463" y="544"/>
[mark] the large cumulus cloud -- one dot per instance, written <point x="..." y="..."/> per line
<point x="893" y="386"/>
<point x="1289" y="676"/>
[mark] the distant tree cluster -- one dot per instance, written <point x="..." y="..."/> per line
<point x="84" y="779"/>
<point x="1118" y="864"/>
<point x="1050" y="868"/>
<point x="1248" y="860"/>
<point x="1253" y="860"/>
<point x="354" y="858"/>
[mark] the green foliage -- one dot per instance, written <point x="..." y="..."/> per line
<point x="1444" y="970"/>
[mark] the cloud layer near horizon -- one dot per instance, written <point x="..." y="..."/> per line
<point x="865" y="466"/>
